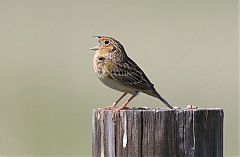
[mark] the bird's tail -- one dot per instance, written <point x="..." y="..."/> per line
<point x="154" y="93"/>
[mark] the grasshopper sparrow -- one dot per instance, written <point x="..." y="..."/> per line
<point x="116" y="70"/>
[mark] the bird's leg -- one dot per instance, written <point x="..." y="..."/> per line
<point x="114" y="104"/>
<point x="125" y="104"/>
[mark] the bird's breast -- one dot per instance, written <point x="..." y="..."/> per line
<point x="98" y="64"/>
<point x="114" y="84"/>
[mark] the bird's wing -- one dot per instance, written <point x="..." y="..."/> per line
<point x="128" y="73"/>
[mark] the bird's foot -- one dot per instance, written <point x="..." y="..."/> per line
<point x="113" y="106"/>
<point x="120" y="108"/>
<point x="116" y="111"/>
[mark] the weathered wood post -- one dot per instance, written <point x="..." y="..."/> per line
<point x="158" y="133"/>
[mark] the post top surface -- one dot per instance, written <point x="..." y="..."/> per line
<point x="146" y="109"/>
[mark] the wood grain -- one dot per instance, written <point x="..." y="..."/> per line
<point x="158" y="133"/>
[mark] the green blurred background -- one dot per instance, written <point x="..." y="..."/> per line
<point x="188" y="49"/>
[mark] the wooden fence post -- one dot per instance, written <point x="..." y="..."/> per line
<point x="158" y="133"/>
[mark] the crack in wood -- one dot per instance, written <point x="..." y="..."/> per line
<point x="158" y="132"/>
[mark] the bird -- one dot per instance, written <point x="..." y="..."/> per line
<point x="116" y="70"/>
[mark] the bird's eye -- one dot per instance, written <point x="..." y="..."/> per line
<point x="106" y="42"/>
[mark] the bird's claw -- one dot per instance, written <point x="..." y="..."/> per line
<point x="116" y="111"/>
<point x="113" y="106"/>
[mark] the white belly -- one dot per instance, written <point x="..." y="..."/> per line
<point x="117" y="86"/>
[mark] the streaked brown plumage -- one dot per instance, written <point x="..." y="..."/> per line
<point x="117" y="71"/>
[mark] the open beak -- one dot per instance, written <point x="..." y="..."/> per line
<point x="97" y="37"/>
<point x="96" y="47"/>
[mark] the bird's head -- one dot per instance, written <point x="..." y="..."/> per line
<point x="108" y="45"/>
